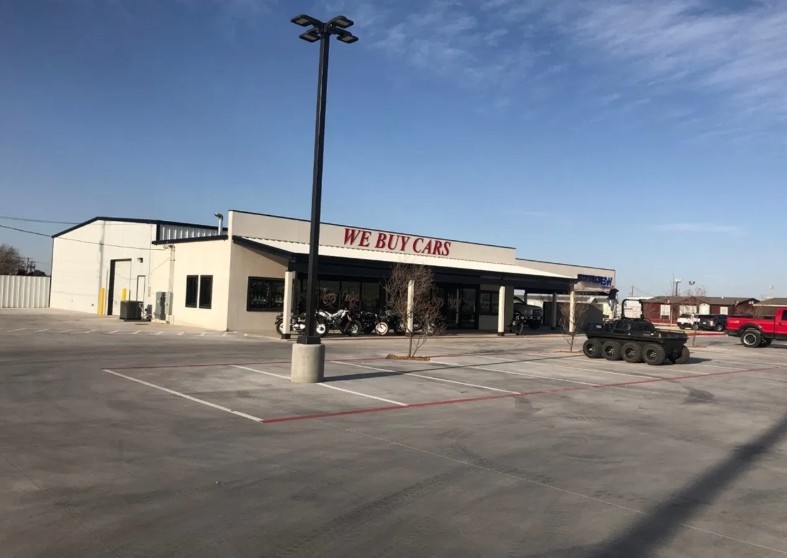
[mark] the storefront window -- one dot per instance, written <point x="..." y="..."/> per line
<point x="330" y="292"/>
<point x="351" y="294"/>
<point x="370" y="297"/>
<point x="265" y="294"/>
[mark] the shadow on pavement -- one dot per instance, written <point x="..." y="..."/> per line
<point x="644" y="537"/>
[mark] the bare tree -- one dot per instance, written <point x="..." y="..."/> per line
<point x="11" y="261"/>
<point x="570" y="327"/>
<point x="426" y="306"/>
<point x="695" y="299"/>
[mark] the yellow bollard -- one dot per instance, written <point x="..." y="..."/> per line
<point x="101" y="295"/>
<point x="123" y="293"/>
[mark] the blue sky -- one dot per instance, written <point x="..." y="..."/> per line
<point x="644" y="136"/>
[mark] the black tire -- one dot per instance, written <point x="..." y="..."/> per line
<point x="592" y="348"/>
<point x="611" y="350"/>
<point x="354" y="328"/>
<point x="382" y="328"/>
<point x="520" y="328"/>
<point x="280" y="328"/>
<point x="765" y="342"/>
<point x="719" y="327"/>
<point x="321" y="329"/>
<point x="654" y="354"/>
<point x="631" y="352"/>
<point x="751" y="338"/>
<point x="682" y="326"/>
<point x="685" y="354"/>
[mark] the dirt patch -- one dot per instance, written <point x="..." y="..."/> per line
<point x="405" y="357"/>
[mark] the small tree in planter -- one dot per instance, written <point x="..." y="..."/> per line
<point x="571" y="327"/>
<point x="425" y="305"/>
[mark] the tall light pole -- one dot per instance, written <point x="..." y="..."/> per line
<point x="308" y="356"/>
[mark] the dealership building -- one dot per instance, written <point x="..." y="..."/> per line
<point x="238" y="277"/>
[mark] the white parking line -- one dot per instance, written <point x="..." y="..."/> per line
<point x="137" y="332"/>
<point x="325" y="386"/>
<point x="18" y="329"/>
<point x="517" y="373"/>
<point x="434" y="378"/>
<point x="90" y="331"/>
<point x="41" y="330"/>
<point x="158" y="333"/>
<point x="183" y="395"/>
<point x="114" y="331"/>
<point x="364" y="395"/>
<point x="282" y="376"/>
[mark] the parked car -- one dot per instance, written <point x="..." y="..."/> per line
<point x="759" y="332"/>
<point x="687" y="321"/>
<point x="712" y="322"/>
<point x="532" y="315"/>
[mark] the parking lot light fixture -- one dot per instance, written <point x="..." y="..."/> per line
<point x="308" y="366"/>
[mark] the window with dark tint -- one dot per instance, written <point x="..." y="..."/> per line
<point x="488" y="303"/>
<point x="205" y="291"/>
<point x="265" y="294"/>
<point x="192" y="283"/>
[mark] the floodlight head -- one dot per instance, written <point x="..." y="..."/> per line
<point x="304" y="20"/>
<point x="342" y="22"/>
<point x="347" y="37"/>
<point x="310" y="36"/>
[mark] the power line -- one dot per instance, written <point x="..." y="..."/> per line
<point x="26" y="220"/>
<point x="25" y="231"/>
<point x="77" y="240"/>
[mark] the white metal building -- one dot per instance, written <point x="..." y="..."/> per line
<point x="240" y="279"/>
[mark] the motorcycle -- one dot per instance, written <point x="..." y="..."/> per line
<point x="388" y="320"/>
<point x="519" y="321"/>
<point x="298" y="325"/>
<point x="368" y="320"/>
<point x="341" y="320"/>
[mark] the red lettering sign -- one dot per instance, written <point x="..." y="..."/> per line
<point x="396" y="242"/>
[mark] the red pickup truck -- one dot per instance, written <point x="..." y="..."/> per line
<point x="759" y="332"/>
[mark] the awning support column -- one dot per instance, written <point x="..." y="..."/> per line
<point x="572" y="307"/>
<point x="501" y="312"/>
<point x="553" y="321"/>
<point x="289" y="291"/>
<point x="410" y="304"/>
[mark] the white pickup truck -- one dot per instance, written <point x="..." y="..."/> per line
<point x="688" y="321"/>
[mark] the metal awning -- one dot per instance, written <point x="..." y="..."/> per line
<point x="302" y="248"/>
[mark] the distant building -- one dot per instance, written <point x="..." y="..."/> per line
<point x="773" y="302"/>
<point x="666" y="309"/>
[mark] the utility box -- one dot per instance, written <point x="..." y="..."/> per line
<point x="130" y="310"/>
<point x="163" y="301"/>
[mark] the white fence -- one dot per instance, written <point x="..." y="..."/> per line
<point x="24" y="291"/>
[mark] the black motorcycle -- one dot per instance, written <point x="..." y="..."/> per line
<point x="388" y="320"/>
<point x="520" y="321"/>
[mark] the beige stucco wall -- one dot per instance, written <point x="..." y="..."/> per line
<point x="202" y="258"/>
<point x="247" y="263"/>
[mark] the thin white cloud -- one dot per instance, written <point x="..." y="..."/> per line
<point x="709" y="228"/>
<point x="727" y="65"/>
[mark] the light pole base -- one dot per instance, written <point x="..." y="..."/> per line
<point x="308" y="363"/>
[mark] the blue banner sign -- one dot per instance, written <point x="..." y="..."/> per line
<point x="596" y="279"/>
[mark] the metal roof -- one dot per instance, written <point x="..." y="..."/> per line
<point x="400" y="257"/>
<point x="713" y="300"/>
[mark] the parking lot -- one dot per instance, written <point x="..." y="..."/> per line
<point x="196" y="444"/>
